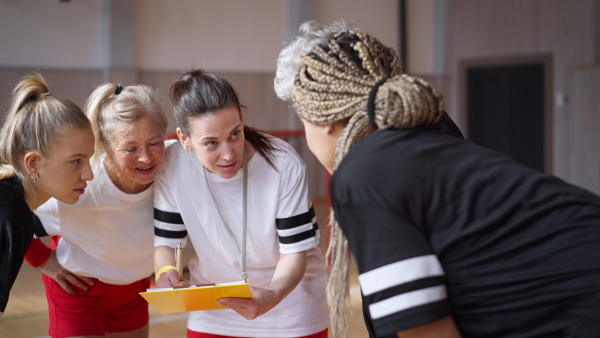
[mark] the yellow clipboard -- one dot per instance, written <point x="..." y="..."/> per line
<point x="195" y="297"/>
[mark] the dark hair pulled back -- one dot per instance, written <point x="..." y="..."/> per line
<point x="197" y="93"/>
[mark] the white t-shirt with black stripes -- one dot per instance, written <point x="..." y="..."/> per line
<point x="280" y="220"/>
<point x="107" y="234"/>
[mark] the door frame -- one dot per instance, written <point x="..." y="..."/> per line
<point x="546" y="60"/>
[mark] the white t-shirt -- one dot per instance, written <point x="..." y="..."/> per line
<point x="108" y="234"/>
<point x="280" y="220"/>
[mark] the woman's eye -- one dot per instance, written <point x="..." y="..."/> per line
<point x="130" y="150"/>
<point x="235" y="134"/>
<point x="76" y="161"/>
<point x="210" y="144"/>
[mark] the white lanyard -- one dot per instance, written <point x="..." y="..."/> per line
<point x="242" y="251"/>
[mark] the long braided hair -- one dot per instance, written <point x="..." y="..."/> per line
<point x="353" y="77"/>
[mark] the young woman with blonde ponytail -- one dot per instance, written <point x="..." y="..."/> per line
<point x="45" y="146"/>
<point x="451" y="239"/>
<point x="105" y="255"/>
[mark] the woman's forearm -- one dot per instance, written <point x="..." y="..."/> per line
<point x="288" y="273"/>
<point x="163" y="256"/>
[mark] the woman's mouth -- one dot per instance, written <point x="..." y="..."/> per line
<point x="80" y="191"/>
<point x="228" y="168"/>
<point x="146" y="170"/>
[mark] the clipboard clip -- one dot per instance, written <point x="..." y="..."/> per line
<point x="245" y="277"/>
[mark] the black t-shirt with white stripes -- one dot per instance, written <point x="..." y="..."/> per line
<point x="16" y="232"/>
<point x="440" y="226"/>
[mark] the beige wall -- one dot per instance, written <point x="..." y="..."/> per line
<point x="51" y="34"/>
<point x="377" y="17"/>
<point x="581" y="125"/>
<point x="70" y="43"/>
<point x="224" y="35"/>
<point x="79" y="44"/>
<point x="492" y="28"/>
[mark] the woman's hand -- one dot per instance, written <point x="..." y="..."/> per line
<point x="288" y="274"/>
<point x="263" y="300"/>
<point x="169" y="279"/>
<point x="64" y="277"/>
<point x="163" y="257"/>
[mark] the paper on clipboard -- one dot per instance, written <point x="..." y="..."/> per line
<point x="195" y="298"/>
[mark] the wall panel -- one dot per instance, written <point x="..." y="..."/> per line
<point x="582" y="125"/>
<point x="564" y="29"/>
<point x="57" y="34"/>
<point x="75" y="85"/>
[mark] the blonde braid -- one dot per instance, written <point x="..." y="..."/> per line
<point x="333" y="84"/>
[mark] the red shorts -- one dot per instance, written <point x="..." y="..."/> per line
<point x="103" y="308"/>
<point x="194" y="334"/>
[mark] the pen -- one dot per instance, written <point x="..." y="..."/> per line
<point x="178" y="263"/>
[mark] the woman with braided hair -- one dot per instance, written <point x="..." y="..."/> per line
<point x="450" y="238"/>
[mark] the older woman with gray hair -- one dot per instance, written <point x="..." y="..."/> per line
<point x="450" y="238"/>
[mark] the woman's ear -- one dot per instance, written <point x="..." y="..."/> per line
<point x="336" y="128"/>
<point x="328" y="128"/>
<point x="31" y="160"/>
<point x="185" y="141"/>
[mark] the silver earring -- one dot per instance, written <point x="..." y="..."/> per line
<point x="35" y="178"/>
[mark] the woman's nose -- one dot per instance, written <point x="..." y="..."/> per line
<point x="227" y="153"/>
<point x="87" y="174"/>
<point x="145" y="156"/>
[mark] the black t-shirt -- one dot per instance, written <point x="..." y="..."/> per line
<point x="16" y="232"/>
<point x="440" y="226"/>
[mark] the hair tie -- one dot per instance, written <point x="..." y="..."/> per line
<point x="44" y="94"/>
<point x="371" y="102"/>
<point x="118" y="89"/>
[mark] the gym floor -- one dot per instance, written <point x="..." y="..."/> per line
<point x="26" y="315"/>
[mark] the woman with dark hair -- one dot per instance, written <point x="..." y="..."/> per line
<point x="46" y="143"/>
<point x="450" y="238"/>
<point x="241" y="197"/>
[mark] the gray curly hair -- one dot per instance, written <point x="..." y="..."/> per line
<point x="289" y="61"/>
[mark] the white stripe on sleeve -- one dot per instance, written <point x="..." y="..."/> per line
<point x="401" y="272"/>
<point x="407" y="300"/>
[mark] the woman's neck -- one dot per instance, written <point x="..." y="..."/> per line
<point x="33" y="197"/>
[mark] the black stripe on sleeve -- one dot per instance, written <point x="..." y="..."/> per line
<point x="167" y="217"/>
<point x="424" y="313"/>
<point x="170" y="233"/>
<point x="38" y="228"/>
<point x="404" y="288"/>
<point x="299" y="237"/>
<point x="295" y="221"/>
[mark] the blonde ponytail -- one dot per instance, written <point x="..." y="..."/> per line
<point x="6" y="171"/>
<point x="33" y="123"/>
